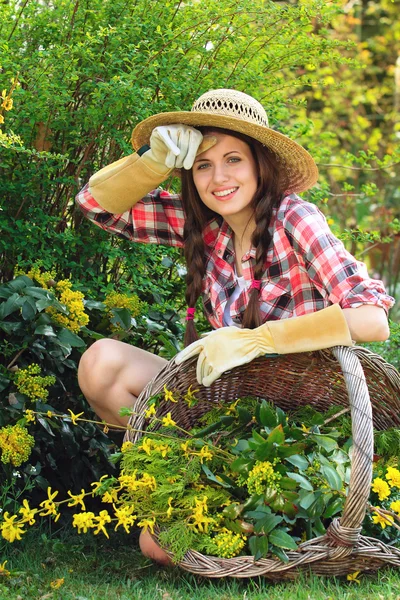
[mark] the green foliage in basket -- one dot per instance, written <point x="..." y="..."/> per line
<point x="246" y="480"/>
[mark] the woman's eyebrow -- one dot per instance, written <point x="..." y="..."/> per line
<point x="226" y="154"/>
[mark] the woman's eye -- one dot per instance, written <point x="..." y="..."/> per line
<point x="203" y="166"/>
<point x="234" y="159"/>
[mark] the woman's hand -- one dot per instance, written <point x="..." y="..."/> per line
<point x="176" y="146"/>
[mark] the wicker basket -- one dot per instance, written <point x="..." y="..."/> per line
<point x="339" y="376"/>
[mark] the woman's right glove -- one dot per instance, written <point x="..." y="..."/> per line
<point x="119" y="186"/>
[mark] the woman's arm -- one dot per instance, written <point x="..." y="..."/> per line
<point x="367" y="323"/>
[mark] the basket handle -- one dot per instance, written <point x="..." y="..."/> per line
<point x="363" y="438"/>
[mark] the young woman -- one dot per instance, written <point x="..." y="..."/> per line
<point x="272" y="276"/>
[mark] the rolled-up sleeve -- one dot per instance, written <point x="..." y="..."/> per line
<point x="331" y="268"/>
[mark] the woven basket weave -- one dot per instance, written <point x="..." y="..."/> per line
<point x="343" y="376"/>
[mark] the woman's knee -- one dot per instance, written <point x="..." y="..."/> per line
<point x="100" y="364"/>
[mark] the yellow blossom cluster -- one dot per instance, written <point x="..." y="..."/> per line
<point x="382" y="520"/>
<point x="117" y="300"/>
<point x="132" y="483"/>
<point x="261" y="476"/>
<point x="73" y="301"/>
<point x="32" y="384"/>
<point x="199" y="520"/>
<point x="149" y="445"/>
<point x="229" y="544"/>
<point x="88" y="520"/>
<point x="12" y="528"/>
<point x="44" y="278"/>
<point x="15" y="444"/>
<point x="380" y="487"/>
<point x="6" y="99"/>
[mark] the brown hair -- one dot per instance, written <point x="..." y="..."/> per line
<point x="267" y="197"/>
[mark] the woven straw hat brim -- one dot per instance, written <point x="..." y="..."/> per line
<point x="299" y="169"/>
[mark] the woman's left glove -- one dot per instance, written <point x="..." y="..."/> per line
<point x="230" y="347"/>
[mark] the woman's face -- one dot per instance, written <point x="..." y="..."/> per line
<point x="226" y="178"/>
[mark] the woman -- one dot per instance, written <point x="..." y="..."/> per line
<point x="256" y="252"/>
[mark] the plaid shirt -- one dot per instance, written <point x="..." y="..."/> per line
<point x="306" y="269"/>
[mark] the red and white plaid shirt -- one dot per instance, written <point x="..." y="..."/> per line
<point x="306" y="269"/>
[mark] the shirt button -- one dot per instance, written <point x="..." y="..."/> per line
<point x="219" y="251"/>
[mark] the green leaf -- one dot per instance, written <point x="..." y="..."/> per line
<point x="45" y="330"/>
<point x="121" y="318"/>
<point x="13" y="303"/>
<point x="325" y="442"/>
<point x="45" y="424"/>
<point x="29" y="309"/>
<point x="290" y="449"/>
<point x="281" y="554"/>
<point x="265" y="451"/>
<point x="280" y="538"/>
<point x="244" y="415"/>
<point x="211" y="477"/>
<point x="298" y="461"/>
<point x="276" y="436"/>
<point x="267" y="523"/>
<point x="307" y="500"/>
<point x="268" y="416"/>
<point x="332" y="477"/>
<point x="304" y="483"/>
<point x="287" y="483"/>
<point x="4" y="382"/>
<point x="242" y="465"/>
<point x="69" y="338"/>
<point x="334" y="507"/>
<point x="258" y="546"/>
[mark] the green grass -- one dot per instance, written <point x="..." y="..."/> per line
<point x="94" y="568"/>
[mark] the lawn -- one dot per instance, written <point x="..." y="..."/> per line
<point x="86" y="567"/>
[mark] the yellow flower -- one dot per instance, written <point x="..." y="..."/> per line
<point x="168" y="395"/>
<point x="83" y="521"/>
<point x="383" y="520"/>
<point x="185" y="446"/>
<point x="199" y="519"/>
<point x="97" y="484"/>
<point x="27" y="513"/>
<point x="49" y="414"/>
<point x="304" y="428"/>
<point x="168" y="421"/>
<point x="77" y="499"/>
<point x="190" y="397"/>
<point x="150" y="412"/>
<point x="10" y="530"/>
<point x="229" y="544"/>
<point x="100" y="521"/>
<point x="29" y="382"/>
<point x="15" y="444"/>
<point x="30" y="416"/>
<point x="126" y="446"/>
<point x="147" y="524"/>
<point x="49" y="507"/>
<point x="125" y="517"/>
<point x="170" y="509"/>
<point x="231" y="410"/>
<point x="205" y="454"/>
<point x="354" y="576"/>
<point x="110" y="497"/>
<point x="1" y="123"/>
<point x="393" y="477"/>
<point x="57" y="583"/>
<point x="74" y="417"/>
<point x="3" y="571"/>
<point x="7" y="104"/>
<point x="147" y="446"/>
<point x="381" y="488"/>
<point x="395" y="506"/>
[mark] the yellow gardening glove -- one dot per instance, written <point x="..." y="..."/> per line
<point x="229" y="347"/>
<point x="119" y="186"/>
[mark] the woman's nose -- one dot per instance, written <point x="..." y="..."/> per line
<point x="220" y="174"/>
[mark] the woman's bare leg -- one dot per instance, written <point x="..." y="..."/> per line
<point x="112" y="374"/>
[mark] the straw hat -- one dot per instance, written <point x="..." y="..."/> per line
<point x="230" y="109"/>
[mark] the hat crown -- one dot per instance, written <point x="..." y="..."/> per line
<point x="231" y="103"/>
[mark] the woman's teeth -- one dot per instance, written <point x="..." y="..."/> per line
<point x="225" y="192"/>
